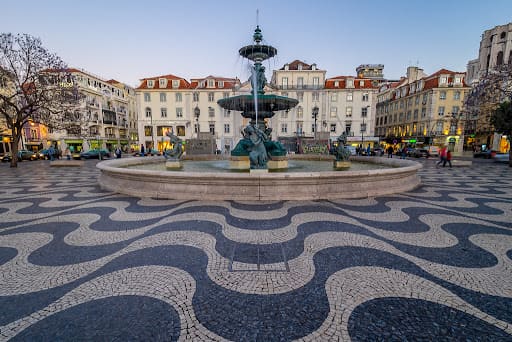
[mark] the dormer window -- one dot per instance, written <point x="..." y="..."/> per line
<point x="361" y="84"/>
<point x="151" y="83"/>
<point x="336" y="84"/>
<point x="175" y="83"/>
<point x="286" y="67"/>
<point x="211" y="83"/>
<point x="299" y="67"/>
<point x="162" y="82"/>
<point x="458" y="80"/>
<point x="201" y="84"/>
<point x="350" y="83"/>
<point x="313" y="67"/>
<point x="221" y="84"/>
<point x="443" y="80"/>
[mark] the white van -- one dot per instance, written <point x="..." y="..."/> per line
<point x="433" y="151"/>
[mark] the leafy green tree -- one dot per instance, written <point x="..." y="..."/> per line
<point x="33" y="86"/>
<point x="501" y="119"/>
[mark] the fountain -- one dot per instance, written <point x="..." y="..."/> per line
<point x="257" y="152"/>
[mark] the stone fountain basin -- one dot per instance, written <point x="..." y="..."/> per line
<point x="401" y="176"/>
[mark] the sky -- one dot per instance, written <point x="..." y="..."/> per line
<point x="128" y="40"/>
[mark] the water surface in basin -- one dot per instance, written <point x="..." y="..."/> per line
<point x="223" y="166"/>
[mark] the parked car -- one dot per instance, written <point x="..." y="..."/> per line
<point x="45" y="153"/>
<point x="151" y="152"/>
<point x="486" y="154"/>
<point x="377" y="152"/>
<point x="501" y="157"/>
<point x="95" y="153"/>
<point x="433" y="151"/>
<point x="352" y="150"/>
<point x="420" y="152"/>
<point x="22" y="155"/>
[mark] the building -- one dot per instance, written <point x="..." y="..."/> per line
<point x="171" y="103"/>
<point x="100" y="120"/>
<point x="423" y="110"/>
<point x="495" y="51"/>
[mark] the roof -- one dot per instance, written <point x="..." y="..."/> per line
<point x="183" y="84"/>
<point x="330" y="83"/>
<point x="295" y="65"/>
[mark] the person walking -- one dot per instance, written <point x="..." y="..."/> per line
<point x="442" y="156"/>
<point x="390" y="151"/>
<point x="142" y="150"/>
<point x="448" y="158"/>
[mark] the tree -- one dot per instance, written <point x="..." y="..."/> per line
<point x="492" y="89"/>
<point x="501" y="119"/>
<point x="34" y="86"/>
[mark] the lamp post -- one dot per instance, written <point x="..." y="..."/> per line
<point x="315" y="115"/>
<point x="197" y="112"/>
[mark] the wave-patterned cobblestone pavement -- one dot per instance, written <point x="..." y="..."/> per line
<point x="78" y="263"/>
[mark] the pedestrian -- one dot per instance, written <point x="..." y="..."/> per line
<point x="442" y="156"/>
<point x="448" y="158"/>
<point x="67" y="152"/>
<point x="142" y="150"/>
<point x="390" y="151"/>
<point x="118" y="152"/>
<point x="404" y="152"/>
<point x="51" y="153"/>
<point x="368" y="150"/>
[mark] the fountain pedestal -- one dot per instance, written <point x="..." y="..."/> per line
<point x="341" y="165"/>
<point x="278" y="163"/>
<point x="239" y="163"/>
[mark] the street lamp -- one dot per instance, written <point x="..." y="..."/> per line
<point x="197" y="112"/>
<point x="315" y="115"/>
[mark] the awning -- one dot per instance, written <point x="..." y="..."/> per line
<point x="73" y="141"/>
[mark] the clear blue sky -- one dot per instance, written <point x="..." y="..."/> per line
<point x="129" y="40"/>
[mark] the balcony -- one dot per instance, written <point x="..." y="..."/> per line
<point x="110" y="122"/>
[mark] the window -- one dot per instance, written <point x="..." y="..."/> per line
<point x="180" y="131"/>
<point x="300" y="112"/>
<point x="212" y="128"/>
<point x="227" y="113"/>
<point x="163" y="97"/>
<point x="284" y="128"/>
<point x="316" y="82"/>
<point x="350" y="83"/>
<point x="364" y="112"/>
<point x="151" y="83"/>
<point x="148" y="131"/>
<point x="175" y="83"/>
<point x="348" y="112"/>
<point x="284" y="115"/>
<point x="425" y="98"/>
<point x="195" y="97"/>
<point x="365" y="97"/>
<point x="408" y="117"/>
<point x="178" y="97"/>
<point x="417" y="99"/>
<point x="162" y="82"/>
<point x="211" y="112"/>
<point x="336" y="84"/>
<point x="148" y="112"/>
<point x="456" y="95"/>
<point x="350" y="97"/>
<point x="163" y="112"/>
<point x="455" y="111"/>
<point x="415" y="114"/>
<point x="226" y="128"/>
<point x="225" y="95"/>
<point x="179" y="112"/>
<point x="211" y="97"/>
<point x="315" y="96"/>
<point x="299" y="128"/>
<point x="441" y="110"/>
<point x="439" y="127"/>
<point x="147" y="97"/>
<point x="334" y="112"/>
<point x="442" y="95"/>
<point x="348" y="127"/>
<point x="334" y="97"/>
<point x="423" y="112"/>
<point x="284" y="83"/>
<point x="221" y="84"/>
<point x="333" y="128"/>
<point x="361" y="84"/>
<point x="300" y="83"/>
<point x="211" y="83"/>
<point x="443" y="80"/>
